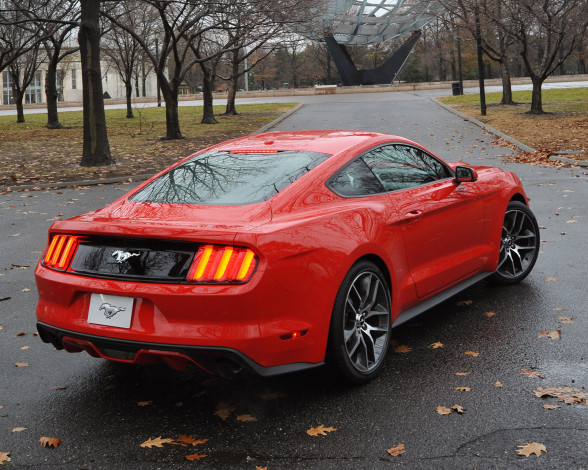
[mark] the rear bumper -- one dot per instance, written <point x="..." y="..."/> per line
<point x="225" y="362"/>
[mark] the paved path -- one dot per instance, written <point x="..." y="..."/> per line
<point x="101" y="423"/>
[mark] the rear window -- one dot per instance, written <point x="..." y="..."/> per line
<point x="229" y="178"/>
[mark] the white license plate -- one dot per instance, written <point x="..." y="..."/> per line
<point x="111" y="310"/>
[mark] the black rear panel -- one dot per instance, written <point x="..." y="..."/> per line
<point x="136" y="259"/>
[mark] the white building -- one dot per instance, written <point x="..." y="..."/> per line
<point x="69" y="83"/>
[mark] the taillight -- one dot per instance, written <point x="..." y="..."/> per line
<point x="60" y="252"/>
<point x="223" y="264"/>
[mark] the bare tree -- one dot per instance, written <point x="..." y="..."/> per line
<point x="28" y="14"/>
<point x="549" y="30"/>
<point x="22" y="72"/>
<point x="122" y="49"/>
<point x="56" y="36"/>
<point x="96" y="148"/>
<point x="180" y="24"/>
<point x="17" y="36"/>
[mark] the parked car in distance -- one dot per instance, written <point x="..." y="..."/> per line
<point x="279" y="252"/>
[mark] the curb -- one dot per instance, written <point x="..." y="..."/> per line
<point x="122" y="179"/>
<point x="276" y="121"/>
<point x="571" y="161"/>
<point x="523" y="147"/>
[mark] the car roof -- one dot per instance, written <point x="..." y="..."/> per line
<point x="324" y="141"/>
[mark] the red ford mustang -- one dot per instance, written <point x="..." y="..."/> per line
<point x="279" y="252"/>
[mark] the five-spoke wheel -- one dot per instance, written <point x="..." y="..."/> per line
<point x="360" y="324"/>
<point x="519" y="244"/>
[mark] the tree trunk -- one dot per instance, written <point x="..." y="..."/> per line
<point x="96" y="149"/>
<point x="207" y="99"/>
<point x="129" y="93"/>
<point x="506" y="85"/>
<point x="18" y="96"/>
<point x="51" y="96"/>
<point x="231" y="110"/>
<point x="172" y="118"/>
<point x="536" y="101"/>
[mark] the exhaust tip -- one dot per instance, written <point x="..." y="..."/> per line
<point x="226" y="368"/>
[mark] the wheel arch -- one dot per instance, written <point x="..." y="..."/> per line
<point x="519" y="198"/>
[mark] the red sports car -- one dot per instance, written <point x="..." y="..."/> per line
<point x="279" y="252"/>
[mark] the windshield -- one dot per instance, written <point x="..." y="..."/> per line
<point x="229" y="178"/>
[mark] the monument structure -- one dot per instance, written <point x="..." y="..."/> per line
<point x="348" y="23"/>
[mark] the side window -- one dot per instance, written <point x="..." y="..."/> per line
<point x="356" y="179"/>
<point x="402" y="166"/>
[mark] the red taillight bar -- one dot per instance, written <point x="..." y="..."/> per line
<point x="222" y="264"/>
<point x="60" y="251"/>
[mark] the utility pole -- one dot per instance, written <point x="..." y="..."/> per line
<point x="480" y="61"/>
<point x="459" y="66"/>
<point x="157" y="74"/>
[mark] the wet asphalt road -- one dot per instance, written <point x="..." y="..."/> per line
<point x="103" y="411"/>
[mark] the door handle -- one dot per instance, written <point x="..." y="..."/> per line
<point x="413" y="214"/>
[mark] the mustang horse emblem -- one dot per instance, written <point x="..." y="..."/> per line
<point x="110" y="310"/>
<point x="121" y="256"/>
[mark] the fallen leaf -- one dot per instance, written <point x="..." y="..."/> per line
<point x="551" y="407"/>
<point x="551" y="279"/>
<point x="179" y="404"/>
<point x="24" y="348"/>
<point x="21" y="364"/>
<point x="403" y="348"/>
<point x="549" y="334"/>
<point x="257" y="467"/>
<point x="196" y="456"/>
<point x="144" y="403"/>
<point x="321" y="429"/>
<point x="458" y="408"/>
<point x="443" y="410"/>
<point x="558" y="309"/>
<point x="157" y="442"/>
<point x="498" y="384"/>
<point x="110" y="387"/>
<point x="472" y="353"/>
<point x="395" y="451"/>
<point x="567" y="321"/>
<point x="464" y="302"/>
<point x="224" y="410"/>
<point x="59" y="387"/>
<point x="569" y="395"/>
<point x="50" y="442"/>
<point x="22" y="333"/>
<point x="4" y="457"/>
<point x="436" y="345"/>
<point x="463" y="389"/>
<point x="18" y="429"/>
<point x="246" y="418"/>
<point x="530" y="373"/>
<point x="272" y="396"/>
<point x="191" y="440"/>
<point x="490" y="314"/>
<point x="531" y="448"/>
<point x="26" y="289"/>
<point x="462" y="373"/>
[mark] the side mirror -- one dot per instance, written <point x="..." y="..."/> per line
<point x="465" y="174"/>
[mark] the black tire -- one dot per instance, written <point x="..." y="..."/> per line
<point x="519" y="245"/>
<point x="360" y="324"/>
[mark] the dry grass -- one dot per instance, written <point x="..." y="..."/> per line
<point x="30" y="153"/>
<point x="564" y="126"/>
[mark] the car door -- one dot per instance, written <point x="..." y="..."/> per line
<point x="442" y="221"/>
